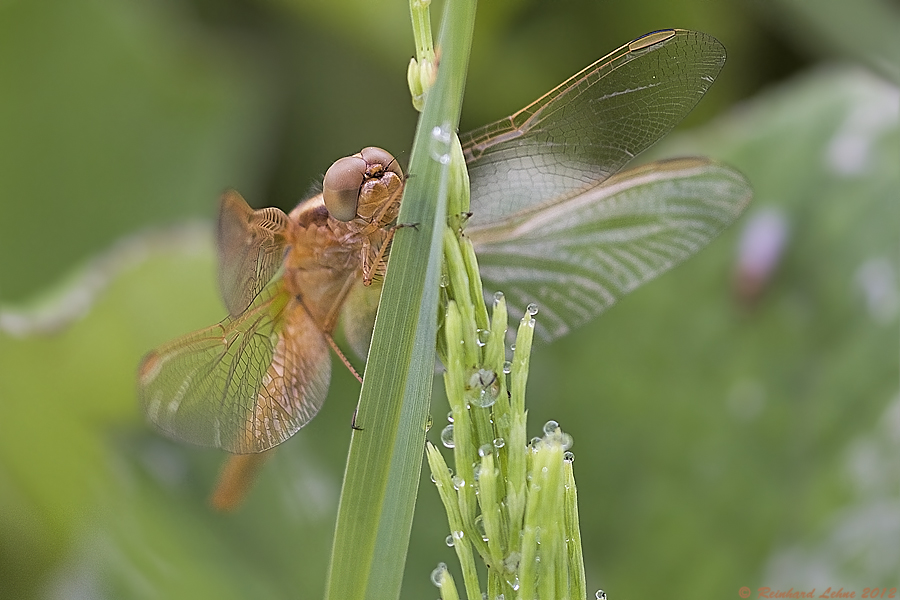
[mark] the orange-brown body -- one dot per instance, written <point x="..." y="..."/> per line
<point x="327" y="258"/>
<point x="266" y="368"/>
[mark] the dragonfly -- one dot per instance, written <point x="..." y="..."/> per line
<point x="555" y="220"/>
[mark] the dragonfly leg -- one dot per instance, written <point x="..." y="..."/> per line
<point x="342" y="356"/>
<point x="375" y="263"/>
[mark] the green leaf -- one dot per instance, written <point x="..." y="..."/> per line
<point x="381" y="480"/>
<point x="114" y="120"/>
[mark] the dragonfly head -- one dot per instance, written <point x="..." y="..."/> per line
<point x="351" y="180"/>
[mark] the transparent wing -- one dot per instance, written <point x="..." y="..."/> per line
<point x="244" y="385"/>
<point x="251" y="245"/>
<point x="576" y="258"/>
<point x="590" y="126"/>
<point x="358" y="315"/>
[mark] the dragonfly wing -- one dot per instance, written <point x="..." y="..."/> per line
<point x="251" y="245"/>
<point x="358" y="316"/>
<point x="244" y="385"/>
<point x="590" y="126"/>
<point x="576" y="258"/>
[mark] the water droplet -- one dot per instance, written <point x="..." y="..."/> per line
<point x="532" y="309"/>
<point x="600" y="595"/>
<point x="512" y="347"/>
<point x="440" y="143"/>
<point x="476" y="470"/>
<point x="485" y="450"/>
<point x="499" y="442"/>
<point x="486" y="397"/>
<point x="483" y="388"/>
<point x="450" y="417"/>
<point x="458" y="482"/>
<point x="565" y="440"/>
<point x="438" y="573"/>
<point x="507" y="366"/>
<point x="445" y="280"/>
<point x="487" y="377"/>
<point x="536" y="442"/>
<point x="498" y="296"/>
<point x="569" y="457"/>
<point x="550" y="427"/>
<point x="433" y="479"/>
<point x="447" y="436"/>
<point x="482" y="336"/>
<point x="442" y="133"/>
<point x="449" y="541"/>
<point x="479" y="527"/>
<point x="458" y="535"/>
<point x="511" y="562"/>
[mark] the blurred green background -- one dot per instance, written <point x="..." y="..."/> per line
<point x="719" y="443"/>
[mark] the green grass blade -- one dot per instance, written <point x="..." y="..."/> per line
<point x="379" y="492"/>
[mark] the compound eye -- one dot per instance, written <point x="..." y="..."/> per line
<point x="341" y="186"/>
<point x="374" y="155"/>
